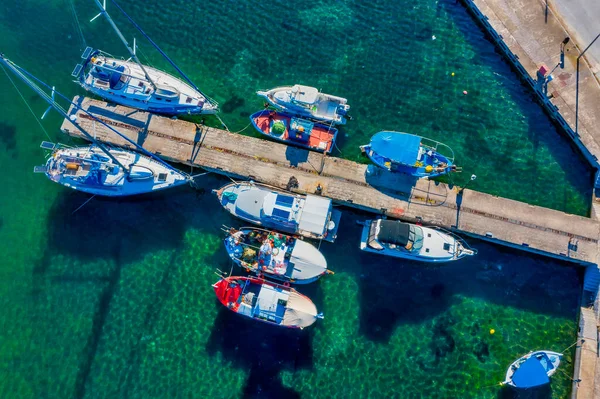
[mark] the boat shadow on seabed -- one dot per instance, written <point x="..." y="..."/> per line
<point x="263" y="350"/>
<point x="542" y="392"/>
<point x="404" y="187"/>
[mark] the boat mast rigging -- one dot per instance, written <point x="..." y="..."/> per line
<point x="50" y="100"/>
<point x="120" y="35"/>
<point x="27" y="78"/>
<point x="191" y="83"/>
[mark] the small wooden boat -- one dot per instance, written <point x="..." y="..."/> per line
<point x="409" y="241"/>
<point x="275" y="255"/>
<point x="310" y="216"/>
<point x="295" y="131"/>
<point x="410" y="154"/>
<point x="533" y="369"/>
<point x="267" y="302"/>
<point x="308" y="102"/>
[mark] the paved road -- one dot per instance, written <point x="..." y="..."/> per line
<point x="582" y="18"/>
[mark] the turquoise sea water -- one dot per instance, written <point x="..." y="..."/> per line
<point x="114" y="300"/>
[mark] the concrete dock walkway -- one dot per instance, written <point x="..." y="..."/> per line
<point x="485" y="216"/>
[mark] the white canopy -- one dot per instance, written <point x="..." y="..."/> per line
<point x="305" y="94"/>
<point x="315" y="214"/>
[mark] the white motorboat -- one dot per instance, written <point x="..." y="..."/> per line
<point x="409" y="241"/>
<point x="308" y="102"/>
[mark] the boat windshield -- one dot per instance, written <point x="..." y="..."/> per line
<point x="395" y="234"/>
<point x="417" y="238"/>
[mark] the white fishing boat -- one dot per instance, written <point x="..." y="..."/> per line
<point x="275" y="255"/>
<point x="270" y="303"/>
<point x="307" y="215"/>
<point x="90" y="170"/>
<point x="409" y="241"/>
<point x="532" y="370"/>
<point x="132" y="84"/>
<point x="308" y="102"/>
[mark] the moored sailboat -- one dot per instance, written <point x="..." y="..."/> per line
<point x="90" y="170"/>
<point x="308" y="102"/>
<point x="130" y="83"/>
<point x="267" y="302"/>
<point x="98" y="169"/>
<point x="275" y="255"/>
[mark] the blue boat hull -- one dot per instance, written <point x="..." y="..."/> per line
<point x="387" y="164"/>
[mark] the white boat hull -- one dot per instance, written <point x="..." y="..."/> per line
<point x="320" y="106"/>
<point x="437" y="246"/>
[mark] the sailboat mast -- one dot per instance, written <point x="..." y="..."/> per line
<point x="131" y="52"/>
<point x="16" y="70"/>
<point x="191" y="83"/>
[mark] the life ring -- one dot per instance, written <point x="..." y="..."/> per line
<point x="275" y="251"/>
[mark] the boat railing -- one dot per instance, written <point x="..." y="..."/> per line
<point x="157" y="69"/>
<point x="458" y="238"/>
<point x="436" y="145"/>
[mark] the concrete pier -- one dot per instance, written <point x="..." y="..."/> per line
<point x="507" y="222"/>
<point x="529" y="33"/>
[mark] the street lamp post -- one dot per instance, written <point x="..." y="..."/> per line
<point x="577" y="86"/>
<point x="561" y="64"/>
<point x="473" y="177"/>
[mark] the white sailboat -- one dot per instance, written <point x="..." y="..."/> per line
<point x="97" y="169"/>
<point x="129" y="83"/>
<point x="90" y="170"/>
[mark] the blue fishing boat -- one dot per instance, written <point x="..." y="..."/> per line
<point x="533" y="369"/>
<point x="295" y="131"/>
<point x="410" y="154"/>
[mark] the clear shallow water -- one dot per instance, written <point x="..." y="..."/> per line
<point x="115" y="299"/>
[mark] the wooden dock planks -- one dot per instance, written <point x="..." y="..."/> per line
<point x="508" y="222"/>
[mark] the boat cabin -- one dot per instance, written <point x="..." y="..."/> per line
<point x="261" y="301"/>
<point x="392" y="234"/>
<point x="310" y="214"/>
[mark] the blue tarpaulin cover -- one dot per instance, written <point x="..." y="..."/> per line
<point x="399" y="147"/>
<point x="530" y="374"/>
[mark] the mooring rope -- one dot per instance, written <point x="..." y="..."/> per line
<point x="78" y="24"/>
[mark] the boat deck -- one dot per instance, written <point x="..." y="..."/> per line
<point x="504" y="221"/>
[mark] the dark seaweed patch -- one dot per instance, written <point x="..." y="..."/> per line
<point x="232" y="104"/>
<point x="8" y="136"/>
